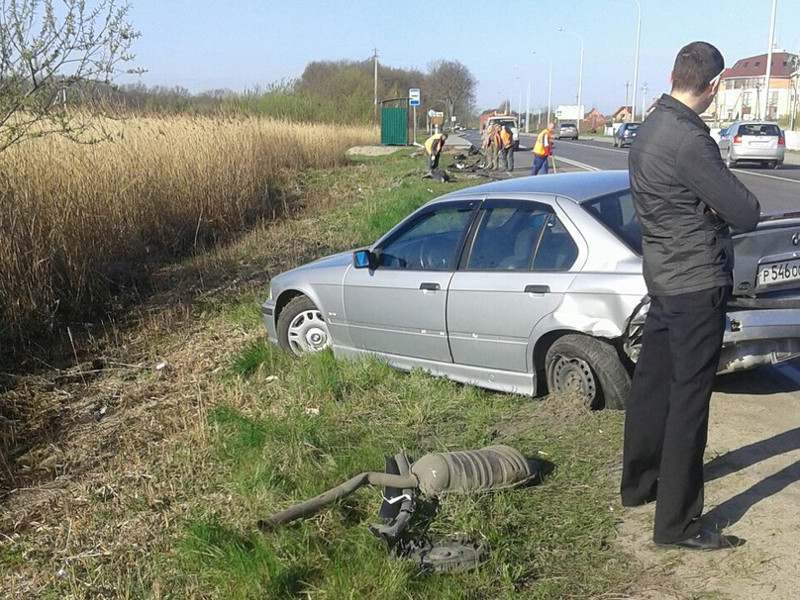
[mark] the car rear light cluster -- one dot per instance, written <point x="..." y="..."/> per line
<point x="737" y="139"/>
<point x="781" y="141"/>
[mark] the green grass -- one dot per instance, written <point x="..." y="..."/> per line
<point x="308" y="424"/>
<point x="261" y="430"/>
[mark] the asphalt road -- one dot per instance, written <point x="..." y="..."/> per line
<point x="778" y="190"/>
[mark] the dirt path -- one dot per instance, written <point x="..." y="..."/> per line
<point x="752" y="486"/>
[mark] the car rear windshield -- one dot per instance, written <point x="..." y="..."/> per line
<point x="568" y="126"/>
<point x="632" y="126"/>
<point x="759" y="129"/>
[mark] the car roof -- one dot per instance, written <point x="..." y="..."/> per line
<point x="576" y="186"/>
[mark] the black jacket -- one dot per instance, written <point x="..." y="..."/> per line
<point x="687" y="200"/>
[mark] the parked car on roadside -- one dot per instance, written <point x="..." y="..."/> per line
<point x="752" y="141"/>
<point x="510" y="284"/>
<point x="624" y="134"/>
<point x="566" y="130"/>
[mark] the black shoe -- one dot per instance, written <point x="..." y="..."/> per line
<point x="706" y="540"/>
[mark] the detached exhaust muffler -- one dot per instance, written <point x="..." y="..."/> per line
<point x="435" y="474"/>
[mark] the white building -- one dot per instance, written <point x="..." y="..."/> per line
<point x="742" y="90"/>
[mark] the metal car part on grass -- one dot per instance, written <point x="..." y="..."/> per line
<point x="435" y="474"/>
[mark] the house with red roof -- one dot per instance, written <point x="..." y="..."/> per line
<point x="743" y="91"/>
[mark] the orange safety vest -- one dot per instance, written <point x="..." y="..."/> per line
<point x="542" y="146"/>
<point x="506" y="137"/>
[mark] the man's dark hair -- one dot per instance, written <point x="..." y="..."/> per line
<point x="695" y="66"/>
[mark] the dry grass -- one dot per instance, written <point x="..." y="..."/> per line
<point x="99" y="462"/>
<point x="79" y="222"/>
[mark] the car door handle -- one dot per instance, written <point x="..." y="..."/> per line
<point x="430" y="286"/>
<point x="537" y="289"/>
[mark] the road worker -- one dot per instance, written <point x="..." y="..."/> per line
<point x="433" y="146"/>
<point x="542" y="149"/>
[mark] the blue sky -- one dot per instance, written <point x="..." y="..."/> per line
<point x="238" y="44"/>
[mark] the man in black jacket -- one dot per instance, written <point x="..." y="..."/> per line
<point x="687" y="202"/>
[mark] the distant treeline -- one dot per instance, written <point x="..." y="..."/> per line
<point x="327" y="92"/>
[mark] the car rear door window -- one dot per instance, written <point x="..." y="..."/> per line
<point x="616" y="212"/>
<point x="521" y="236"/>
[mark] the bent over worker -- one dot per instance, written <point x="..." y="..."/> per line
<point x="433" y="146"/>
<point x="542" y="149"/>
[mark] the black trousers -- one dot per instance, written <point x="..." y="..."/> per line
<point x="666" y="420"/>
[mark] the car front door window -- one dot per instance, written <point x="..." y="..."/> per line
<point x="429" y="243"/>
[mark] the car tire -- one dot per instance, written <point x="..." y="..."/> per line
<point x="580" y="364"/>
<point x="773" y="164"/>
<point x="301" y="327"/>
<point x="729" y="162"/>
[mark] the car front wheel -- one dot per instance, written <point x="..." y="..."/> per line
<point x="583" y="365"/>
<point x="301" y="327"/>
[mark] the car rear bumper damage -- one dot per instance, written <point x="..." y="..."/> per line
<point x="759" y="337"/>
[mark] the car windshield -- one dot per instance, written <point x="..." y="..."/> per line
<point x="616" y="212"/>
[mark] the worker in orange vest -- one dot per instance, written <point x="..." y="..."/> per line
<point x="506" y="149"/>
<point x="542" y="149"/>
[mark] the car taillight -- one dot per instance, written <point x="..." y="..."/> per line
<point x="781" y="141"/>
<point x="737" y="139"/>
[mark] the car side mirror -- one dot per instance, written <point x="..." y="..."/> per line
<point x="364" y="259"/>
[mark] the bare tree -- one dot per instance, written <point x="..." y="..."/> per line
<point x="451" y="84"/>
<point x="54" y="52"/>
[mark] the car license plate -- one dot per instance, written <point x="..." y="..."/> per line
<point x="779" y="272"/>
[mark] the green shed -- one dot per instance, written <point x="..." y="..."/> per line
<point x="394" y="123"/>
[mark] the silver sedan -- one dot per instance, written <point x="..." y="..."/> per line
<point x="509" y="283"/>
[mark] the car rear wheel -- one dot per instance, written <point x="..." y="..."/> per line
<point x="729" y="162"/>
<point x="301" y="327"/>
<point x="583" y="365"/>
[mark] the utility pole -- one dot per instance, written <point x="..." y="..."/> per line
<point x="375" y="109"/>
<point x="765" y="114"/>
<point x="627" y="88"/>
<point x="636" y="60"/>
<point x="644" y="100"/>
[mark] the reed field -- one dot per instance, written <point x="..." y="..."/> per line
<point x="82" y="222"/>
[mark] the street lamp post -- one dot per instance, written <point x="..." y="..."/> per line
<point x="765" y="114"/>
<point x="636" y="60"/>
<point x="580" y="73"/>
<point x="549" y="86"/>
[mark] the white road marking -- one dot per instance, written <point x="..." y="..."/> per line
<point x="575" y="163"/>
<point x="748" y="172"/>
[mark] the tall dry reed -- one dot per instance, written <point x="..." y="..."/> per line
<point x="73" y="218"/>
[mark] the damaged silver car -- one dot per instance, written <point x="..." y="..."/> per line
<point x="517" y="282"/>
